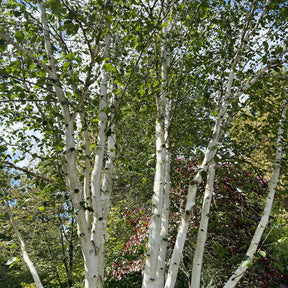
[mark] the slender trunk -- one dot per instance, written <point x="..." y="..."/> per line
<point x="87" y="171"/>
<point x="161" y="263"/>
<point x="239" y="272"/>
<point x="154" y="272"/>
<point x="197" y="180"/>
<point x="157" y="204"/>
<point x="179" y="243"/>
<point x="107" y="184"/>
<point x="209" y="155"/>
<point x="26" y="257"/>
<point x="97" y="232"/>
<point x="203" y="227"/>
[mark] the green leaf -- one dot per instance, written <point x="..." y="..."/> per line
<point x="55" y="6"/>
<point x="214" y="113"/>
<point x="282" y="239"/>
<point x="164" y="24"/>
<point x="66" y="65"/>
<point x="19" y="35"/>
<point x="262" y="253"/>
<point x="41" y="208"/>
<point x="92" y="146"/>
<point x="107" y="67"/>
<point x="108" y="18"/>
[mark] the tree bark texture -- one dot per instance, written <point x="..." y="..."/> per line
<point x="203" y="228"/>
<point x="154" y="272"/>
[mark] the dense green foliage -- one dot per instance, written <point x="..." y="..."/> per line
<point x="225" y="55"/>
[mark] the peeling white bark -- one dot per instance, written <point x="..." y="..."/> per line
<point x="87" y="171"/>
<point x="97" y="230"/>
<point x="179" y="244"/>
<point x="149" y="278"/>
<point x="154" y="272"/>
<point x="91" y="238"/>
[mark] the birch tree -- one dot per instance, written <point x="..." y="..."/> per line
<point x="244" y="265"/>
<point x="25" y="254"/>
<point x="71" y="96"/>
<point x="230" y="97"/>
<point x="64" y="87"/>
<point x="154" y="271"/>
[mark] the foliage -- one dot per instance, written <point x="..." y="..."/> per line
<point x="237" y="206"/>
<point x="209" y="42"/>
<point x="53" y="243"/>
<point x="276" y="245"/>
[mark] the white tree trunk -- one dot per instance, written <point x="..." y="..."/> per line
<point x="149" y="278"/>
<point x="26" y="257"/>
<point x="87" y="171"/>
<point x="165" y="63"/>
<point x="210" y="153"/>
<point x="203" y="227"/>
<point x="179" y="243"/>
<point x="98" y="230"/>
<point x="239" y="272"/>
<point x="91" y="238"/>
<point x="161" y="265"/>
<point x="107" y="184"/>
<point x="154" y="272"/>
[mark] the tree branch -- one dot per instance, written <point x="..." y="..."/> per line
<point x="37" y="176"/>
<point x="27" y="53"/>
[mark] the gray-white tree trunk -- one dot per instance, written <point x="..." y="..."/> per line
<point x="203" y="227"/>
<point x="154" y="272"/>
<point x="97" y="231"/>
<point x="154" y="240"/>
<point x="91" y="235"/>
<point x="26" y="257"/>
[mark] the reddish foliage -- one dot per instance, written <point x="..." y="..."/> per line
<point x="235" y="213"/>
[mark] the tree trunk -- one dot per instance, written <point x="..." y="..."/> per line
<point x="240" y="271"/>
<point x="203" y="227"/>
<point x="26" y="257"/>
<point x="154" y="272"/>
<point x="98" y="230"/>
<point x="149" y="278"/>
<point x="91" y="238"/>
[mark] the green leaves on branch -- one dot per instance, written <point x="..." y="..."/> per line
<point x="19" y="35"/>
<point x="55" y="6"/>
